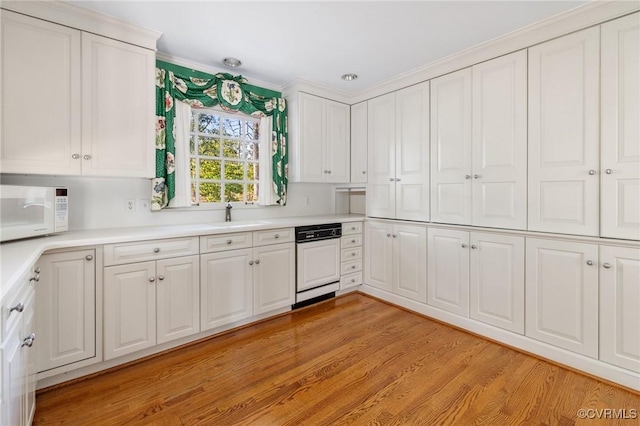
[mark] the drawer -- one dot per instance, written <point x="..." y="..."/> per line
<point x="352" y="253"/>
<point x="17" y="296"/>
<point x="349" y="267"/>
<point x="350" y="228"/>
<point x="350" y="280"/>
<point x="273" y="236"/>
<point x="118" y="254"/>
<point x="222" y="242"/>
<point x="351" y="241"/>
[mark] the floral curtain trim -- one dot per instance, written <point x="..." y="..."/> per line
<point x="200" y="90"/>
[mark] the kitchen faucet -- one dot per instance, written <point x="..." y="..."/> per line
<point x="227" y="216"/>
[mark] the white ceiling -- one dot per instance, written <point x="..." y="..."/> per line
<point x="318" y="41"/>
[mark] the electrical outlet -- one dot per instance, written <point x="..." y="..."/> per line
<point x="130" y="206"/>
<point x="143" y="205"/>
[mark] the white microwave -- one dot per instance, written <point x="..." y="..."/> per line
<point x="31" y="211"/>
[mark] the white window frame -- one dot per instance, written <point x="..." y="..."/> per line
<point x="196" y="180"/>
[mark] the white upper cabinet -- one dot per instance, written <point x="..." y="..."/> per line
<point x="564" y="118"/>
<point x="451" y="148"/>
<point x="320" y="146"/>
<point x="398" y="131"/>
<point x="118" y="100"/>
<point x="39" y="96"/>
<point x="499" y="142"/>
<point x="359" y="143"/>
<point x="619" y="313"/>
<point x="74" y="103"/>
<point x="620" y="118"/>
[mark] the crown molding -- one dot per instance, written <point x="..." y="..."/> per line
<point x="576" y="19"/>
<point x="301" y="85"/>
<point x="70" y="15"/>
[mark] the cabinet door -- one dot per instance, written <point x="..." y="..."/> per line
<point x="381" y="189"/>
<point x="620" y="112"/>
<point x="13" y="377"/>
<point x="29" y="354"/>
<point x="378" y="259"/>
<point x="39" y="96"/>
<point x="274" y="278"/>
<point x="410" y="261"/>
<point x="313" y="259"/>
<point x="359" y="143"/>
<point x="562" y="294"/>
<point x="412" y="153"/>
<point x="564" y="133"/>
<point x="118" y="104"/>
<point x="619" y="313"/>
<point x="337" y="149"/>
<point x="448" y="270"/>
<point x="496" y="287"/>
<point x="226" y="289"/>
<point x="66" y="306"/>
<point x="312" y="134"/>
<point x="451" y="148"/>
<point x="500" y="142"/>
<point x="177" y="298"/>
<point x="129" y="308"/>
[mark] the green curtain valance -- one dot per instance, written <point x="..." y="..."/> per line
<point x="199" y="90"/>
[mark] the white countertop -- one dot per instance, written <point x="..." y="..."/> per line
<point x="18" y="256"/>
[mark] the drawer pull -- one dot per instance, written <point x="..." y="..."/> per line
<point x="353" y="254"/>
<point x="353" y="266"/>
<point x="29" y="340"/>
<point x="35" y="278"/>
<point x="353" y="241"/>
<point x="37" y="270"/>
<point x="156" y="250"/>
<point x="276" y="236"/>
<point x="19" y="307"/>
<point x="353" y="228"/>
<point x="229" y="241"/>
<point x="353" y="280"/>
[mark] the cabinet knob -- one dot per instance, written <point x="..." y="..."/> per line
<point x="464" y="245"/>
<point x="37" y="270"/>
<point x="28" y="341"/>
<point x="156" y="250"/>
<point x="251" y="263"/>
<point x="353" y="266"/>
<point x="393" y="235"/>
<point x="353" y="280"/>
<point x="388" y="235"/>
<point x="152" y="279"/>
<point x="353" y="228"/>
<point x="473" y="246"/>
<point x="18" y="308"/>
<point x="354" y="241"/>
<point x="89" y="257"/>
<point x="467" y="176"/>
<point x="391" y="179"/>
<point x="161" y="277"/>
<point x="592" y="172"/>
<point x="229" y="241"/>
<point x="276" y="236"/>
<point x="477" y="176"/>
<point x="364" y="172"/>
<point x="589" y="262"/>
<point x="257" y="262"/>
<point x="353" y="254"/>
<point x="86" y="157"/>
<point x="606" y="265"/>
<point x="398" y="179"/>
<point x="75" y="156"/>
<point x="329" y="171"/>
<point x="608" y="171"/>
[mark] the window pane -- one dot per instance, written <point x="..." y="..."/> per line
<point x="210" y="169"/>
<point x="233" y="191"/>
<point x="209" y="146"/>
<point x="194" y="199"/>
<point x="252" y="131"/>
<point x="192" y="122"/>
<point x="252" y="171"/>
<point x="192" y="146"/>
<point x="193" y="168"/>
<point x="252" y="192"/>
<point x="233" y="170"/>
<point x="230" y="148"/>
<point x="232" y="127"/>
<point x="209" y="124"/>
<point x="210" y="193"/>
<point x="251" y="151"/>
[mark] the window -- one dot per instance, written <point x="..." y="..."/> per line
<point x="224" y="157"/>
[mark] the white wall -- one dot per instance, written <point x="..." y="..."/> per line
<point x="96" y="203"/>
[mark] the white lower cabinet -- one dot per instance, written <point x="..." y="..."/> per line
<point x="66" y="306"/>
<point x="620" y="306"/>
<point x="562" y="294"/>
<point x="150" y="302"/>
<point x="496" y="287"/>
<point x="448" y="266"/>
<point x="395" y="259"/>
<point x="274" y="279"/>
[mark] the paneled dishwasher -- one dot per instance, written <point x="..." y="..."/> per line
<point x="317" y="262"/>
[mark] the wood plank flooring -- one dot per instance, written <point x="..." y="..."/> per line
<point x="351" y="360"/>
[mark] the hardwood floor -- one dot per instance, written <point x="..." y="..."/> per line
<point x="351" y="360"/>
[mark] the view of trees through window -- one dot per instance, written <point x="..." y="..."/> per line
<point x="224" y="157"/>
